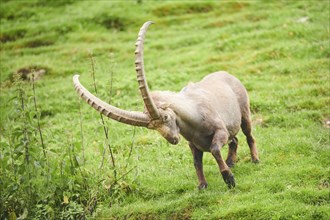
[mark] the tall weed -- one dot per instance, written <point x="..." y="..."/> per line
<point x="52" y="183"/>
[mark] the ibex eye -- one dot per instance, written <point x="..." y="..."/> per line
<point x="166" y="118"/>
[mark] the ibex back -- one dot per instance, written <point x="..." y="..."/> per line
<point x="208" y="114"/>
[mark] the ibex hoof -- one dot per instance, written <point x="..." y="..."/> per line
<point x="202" y="186"/>
<point x="229" y="179"/>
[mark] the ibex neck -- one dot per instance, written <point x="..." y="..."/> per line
<point x="185" y="108"/>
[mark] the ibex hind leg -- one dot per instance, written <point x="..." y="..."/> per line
<point x="247" y="130"/>
<point x="232" y="149"/>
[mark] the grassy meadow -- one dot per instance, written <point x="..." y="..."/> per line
<point x="60" y="161"/>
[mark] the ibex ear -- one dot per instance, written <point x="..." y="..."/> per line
<point x="164" y="105"/>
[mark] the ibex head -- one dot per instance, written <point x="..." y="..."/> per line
<point x="166" y="125"/>
<point x="157" y="116"/>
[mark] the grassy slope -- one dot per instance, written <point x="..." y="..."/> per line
<point x="284" y="64"/>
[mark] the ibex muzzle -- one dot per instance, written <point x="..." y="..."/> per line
<point x="208" y="114"/>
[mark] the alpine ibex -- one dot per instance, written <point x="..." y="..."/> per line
<point x="208" y="114"/>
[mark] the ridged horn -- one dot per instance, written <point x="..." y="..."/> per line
<point x="139" y="67"/>
<point x="127" y="117"/>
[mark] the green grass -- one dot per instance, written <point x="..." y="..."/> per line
<point x="281" y="58"/>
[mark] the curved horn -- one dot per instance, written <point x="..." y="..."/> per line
<point x="127" y="117"/>
<point x="139" y="67"/>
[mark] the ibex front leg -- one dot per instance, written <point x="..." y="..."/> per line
<point x="198" y="163"/>
<point x="220" y="138"/>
